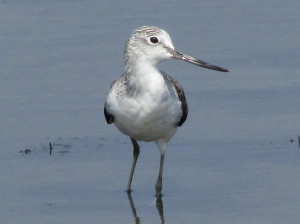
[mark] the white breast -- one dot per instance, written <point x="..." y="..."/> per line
<point x="150" y="113"/>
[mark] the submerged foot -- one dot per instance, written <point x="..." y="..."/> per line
<point x="158" y="190"/>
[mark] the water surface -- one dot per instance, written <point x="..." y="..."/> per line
<point x="231" y="162"/>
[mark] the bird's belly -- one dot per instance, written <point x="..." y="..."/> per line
<point x="149" y="120"/>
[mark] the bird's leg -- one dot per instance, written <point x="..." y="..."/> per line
<point x="136" y="152"/>
<point x="158" y="185"/>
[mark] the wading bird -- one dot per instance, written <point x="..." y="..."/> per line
<point x="145" y="103"/>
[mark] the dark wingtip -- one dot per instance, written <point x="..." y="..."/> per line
<point x="109" y="118"/>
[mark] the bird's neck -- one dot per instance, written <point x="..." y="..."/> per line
<point x="141" y="68"/>
<point x="144" y="76"/>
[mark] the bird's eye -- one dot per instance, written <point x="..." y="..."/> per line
<point x="153" y="40"/>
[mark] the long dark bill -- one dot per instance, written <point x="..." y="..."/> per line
<point x="184" y="57"/>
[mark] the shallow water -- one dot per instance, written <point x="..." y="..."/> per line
<point x="231" y="162"/>
<point x="84" y="180"/>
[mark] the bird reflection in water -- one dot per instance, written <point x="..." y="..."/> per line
<point x="159" y="206"/>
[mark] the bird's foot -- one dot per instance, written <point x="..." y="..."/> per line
<point x="128" y="190"/>
<point x="158" y="190"/>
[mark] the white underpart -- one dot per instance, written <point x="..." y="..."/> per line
<point x="153" y="114"/>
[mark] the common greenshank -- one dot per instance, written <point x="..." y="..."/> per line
<point x="145" y="103"/>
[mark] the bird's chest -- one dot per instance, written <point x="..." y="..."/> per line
<point x="149" y="111"/>
<point x="153" y="102"/>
